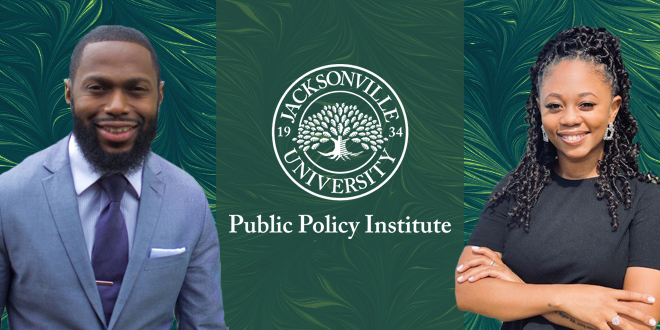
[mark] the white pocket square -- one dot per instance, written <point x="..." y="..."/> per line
<point x="159" y="253"/>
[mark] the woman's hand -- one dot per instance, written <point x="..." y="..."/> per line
<point x="488" y="263"/>
<point x="602" y="307"/>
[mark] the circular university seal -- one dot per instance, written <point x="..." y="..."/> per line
<point x="340" y="132"/>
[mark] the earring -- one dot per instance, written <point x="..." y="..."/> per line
<point x="545" y="136"/>
<point x="609" y="132"/>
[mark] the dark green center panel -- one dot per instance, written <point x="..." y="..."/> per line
<point x="326" y="280"/>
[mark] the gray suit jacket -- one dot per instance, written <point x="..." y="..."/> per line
<point x="46" y="277"/>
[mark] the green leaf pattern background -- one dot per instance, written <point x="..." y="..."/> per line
<point x="36" y="41"/>
<point x="502" y="41"/>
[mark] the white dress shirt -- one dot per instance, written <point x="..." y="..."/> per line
<point x="92" y="200"/>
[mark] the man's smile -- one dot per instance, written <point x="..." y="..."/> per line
<point x="116" y="131"/>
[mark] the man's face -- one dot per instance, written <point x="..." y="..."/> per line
<point x="114" y="98"/>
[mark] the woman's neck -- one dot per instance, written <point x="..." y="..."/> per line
<point x="571" y="170"/>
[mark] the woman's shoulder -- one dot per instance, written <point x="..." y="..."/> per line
<point x="503" y="182"/>
<point x="644" y="193"/>
<point x="643" y="186"/>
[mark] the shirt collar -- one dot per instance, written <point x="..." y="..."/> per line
<point x="84" y="174"/>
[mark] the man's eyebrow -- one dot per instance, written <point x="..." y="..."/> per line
<point x="136" y="80"/>
<point x="104" y="80"/>
<point x="96" y="78"/>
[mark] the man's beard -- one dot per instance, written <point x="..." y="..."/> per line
<point x="107" y="163"/>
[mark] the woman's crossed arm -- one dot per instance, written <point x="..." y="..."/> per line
<point x="485" y="285"/>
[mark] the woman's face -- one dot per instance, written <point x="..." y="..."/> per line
<point x="576" y="105"/>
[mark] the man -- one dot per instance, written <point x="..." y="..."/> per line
<point x="98" y="232"/>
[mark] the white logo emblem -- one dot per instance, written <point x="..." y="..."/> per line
<point x="340" y="132"/>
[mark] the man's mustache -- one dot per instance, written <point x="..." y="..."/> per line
<point x="95" y="121"/>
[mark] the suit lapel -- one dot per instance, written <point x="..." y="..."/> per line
<point x="64" y="207"/>
<point x="151" y="199"/>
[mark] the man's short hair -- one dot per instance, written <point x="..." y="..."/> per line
<point x="112" y="33"/>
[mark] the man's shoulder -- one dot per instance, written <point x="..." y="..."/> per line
<point x="181" y="191"/>
<point x="174" y="175"/>
<point x="31" y="168"/>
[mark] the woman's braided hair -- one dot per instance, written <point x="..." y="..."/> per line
<point x="619" y="162"/>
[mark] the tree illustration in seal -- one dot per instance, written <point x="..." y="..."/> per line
<point x="340" y="124"/>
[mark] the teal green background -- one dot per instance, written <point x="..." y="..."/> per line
<point x="502" y="41"/>
<point x="36" y="41"/>
<point x="326" y="281"/>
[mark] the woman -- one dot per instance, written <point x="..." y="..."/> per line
<point x="569" y="238"/>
